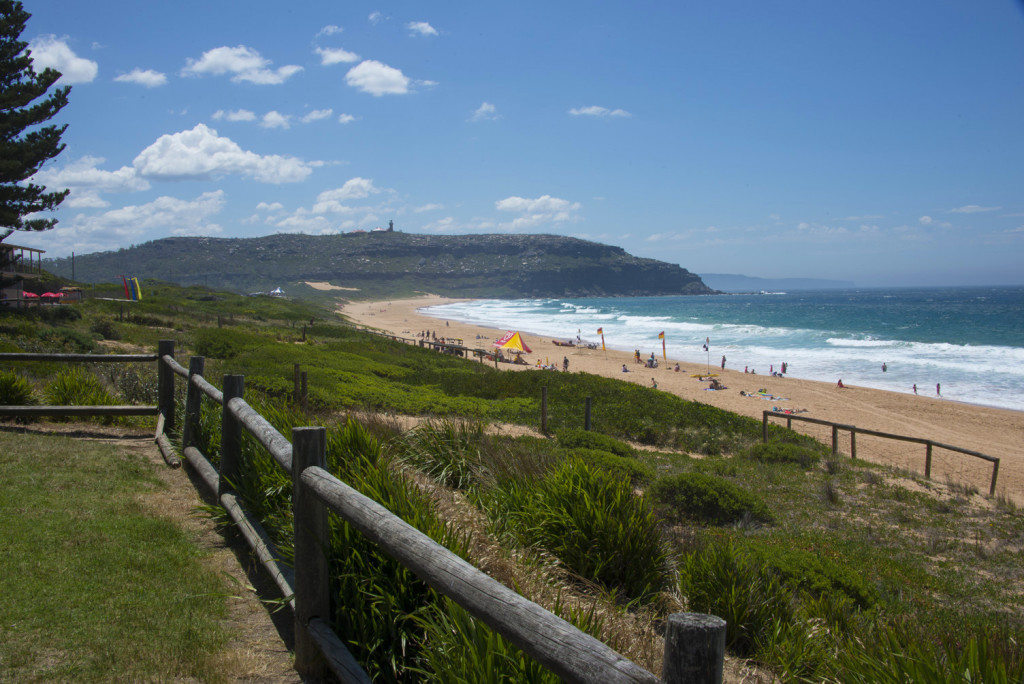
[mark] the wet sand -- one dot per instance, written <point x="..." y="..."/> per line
<point x="995" y="432"/>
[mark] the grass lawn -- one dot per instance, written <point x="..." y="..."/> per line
<point x="96" y="586"/>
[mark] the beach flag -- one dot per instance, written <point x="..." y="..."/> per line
<point x="132" y="289"/>
<point x="127" y="294"/>
<point x="600" y="331"/>
<point x="661" y="336"/>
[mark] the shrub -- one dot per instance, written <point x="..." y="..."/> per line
<point x="722" y="579"/>
<point x="817" y="574"/>
<point x="706" y="498"/>
<point x="595" y="525"/>
<point x="626" y="468"/>
<point x="105" y="328"/>
<point x="224" y="343"/>
<point x="78" y="387"/>
<point x="447" y="450"/>
<point x="573" y="438"/>
<point x="780" y="452"/>
<point x="16" y="390"/>
<point x="69" y="339"/>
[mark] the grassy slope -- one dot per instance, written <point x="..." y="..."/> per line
<point x="96" y="588"/>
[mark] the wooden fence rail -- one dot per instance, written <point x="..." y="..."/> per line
<point x="929" y="444"/>
<point x="694" y="643"/>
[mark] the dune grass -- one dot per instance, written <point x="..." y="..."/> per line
<point x="96" y="587"/>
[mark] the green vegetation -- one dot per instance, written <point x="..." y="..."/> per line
<point x="96" y="587"/>
<point x="824" y="568"/>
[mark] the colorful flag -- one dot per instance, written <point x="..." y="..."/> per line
<point x="600" y="331"/>
<point x="661" y="335"/>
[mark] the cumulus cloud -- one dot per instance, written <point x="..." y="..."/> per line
<point x="237" y="115"/>
<point x="201" y="153"/>
<point x="272" y="206"/>
<point x="972" y="209"/>
<point x="925" y="220"/>
<point x="330" y="56"/>
<point x="421" y="28"/>
<point x="163" y="216"/>
<point x="86" y="181"/>
<point x="317" y="115"/>
<point x="345" y="118"/>
<point x="275" y="119"/>
<point x="333" y="200"/>
<point x="244" y="63"/>
<point x="329" y="30"/>
<point x="375" y="18"/>
<point x="377" y="79"/>
<point x="485" y="112"/>
<point x="428" y="207"/>
<point x="595" y="110"/>
<point x="539" y="211"/>
<point x="51" y="52"/>
<point x="143" y="77"/>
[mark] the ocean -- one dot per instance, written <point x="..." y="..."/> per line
<point x="968" y="339"/>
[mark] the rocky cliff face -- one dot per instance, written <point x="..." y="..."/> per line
<point x="381" y="262"/>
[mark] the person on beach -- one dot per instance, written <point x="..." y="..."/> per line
<point x="624" y="369"/>
<point x="654" y="383"/>
<point x="938" y="390"/>
<point x="677" y="368"/>
<point x="723" y="363"/>
<point x="565" y="364"/>
<point x="915" y="388"/>
<point x="746" y="369"/>
<point x="636" y="356"/>
<point x="840" y="385"/>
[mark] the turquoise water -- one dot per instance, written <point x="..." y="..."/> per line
<point x="971" y="340"/>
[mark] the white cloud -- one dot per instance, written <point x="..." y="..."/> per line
<point x="428" y="207"/>
<point x="86" y="182"/>
<point x="237" y="115"/>
<point x="330" y="56"/>
<point x="377" y="79"/>
<point x="143" y="77"/>
<point x="329" y="30"/>
<point x="272" y="206"/>
<point x="595" y="110"/>
<point x="534" y="212"/>
<point x="485" y="112"/>
<point x="925" y="220"/>
<point x="345" y="118"/>
<point x="354" y="188"/>
<point x="317" y="115"/>
<point x="972" y="209"/>
<point x="421" y="28"/>
<point x="929" y="221"/>
<point x="49" y="51"/>
<point x="200" y="154"/>
<point x="375" y="17"/>
<point x="243" y="62"/>
<point x="275" y="119"/>
<point x="164" y="215"/>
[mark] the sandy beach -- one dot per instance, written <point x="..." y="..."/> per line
<point x="995" y="432"/>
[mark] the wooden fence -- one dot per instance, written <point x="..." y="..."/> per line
<point x="694" y="643"/>
<point x="930" y="445"/>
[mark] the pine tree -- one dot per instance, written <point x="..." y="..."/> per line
<point x="25" y="145"/>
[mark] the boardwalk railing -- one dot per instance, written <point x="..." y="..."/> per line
<point x="694" y="643"/>
<point x="930" y="445"/>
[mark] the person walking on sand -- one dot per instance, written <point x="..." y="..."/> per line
<point x="723" y="363"/>
<point x="915" y="388"/>
<point x="938" y="390"/>
<point x="565" y="364"/>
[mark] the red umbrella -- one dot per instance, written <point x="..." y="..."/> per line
<point x="50" y="295"/>
<point x="29" y="295"/>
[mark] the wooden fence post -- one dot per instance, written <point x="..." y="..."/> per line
<point x="835" y="440"/>
<point x="165" y="384"/>
<point x="586" y="414"/>
<point x="694" y="649"/>
<point x="853" y="445"/>
<point x="928" y="461"/>
<point x="764" y="427"/>
<point x="305" y="393"/>
<point x="312" y="598"/>
<point x="230" y="434"/>
<point x="193" y="399"/>
<point x="544" y="410"/>
<point x="995" y="475"/>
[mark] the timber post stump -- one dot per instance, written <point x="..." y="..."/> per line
<point x="694" y="649"/>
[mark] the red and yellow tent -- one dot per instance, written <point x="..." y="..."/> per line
<point x="513" y="341"/>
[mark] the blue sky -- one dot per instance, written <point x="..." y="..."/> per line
<point x="879" y="142"/>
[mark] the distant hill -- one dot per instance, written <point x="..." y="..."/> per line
<point x="393" y="264"/>
<point x="741" y="283"/>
